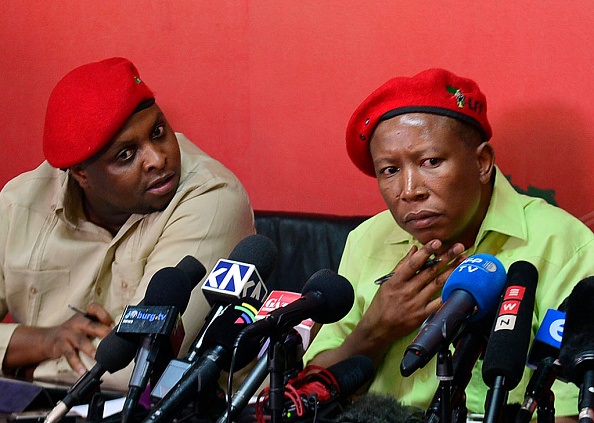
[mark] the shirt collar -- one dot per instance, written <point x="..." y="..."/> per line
<point x="505" y="214"/>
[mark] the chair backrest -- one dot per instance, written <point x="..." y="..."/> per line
<point x="306" y="243"/>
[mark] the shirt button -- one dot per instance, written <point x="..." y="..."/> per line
<point x="33" y="291"/>
<point x="98" y="291"/>
<point x="125" y="285"/>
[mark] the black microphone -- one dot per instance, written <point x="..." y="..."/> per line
<point x="507" y="348"/>
<point x="114" y="352"/>
<point x="320" y="393"/>
<point x="157" y="319"/>
<point x="326" y="298"/>
<point x="577" y="346"/>
<point x="250" y="263"/>
<point x="471" y="291"/>
<point x="378" y="408"/>
<point x="203" y="373"/>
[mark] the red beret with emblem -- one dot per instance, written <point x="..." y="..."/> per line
<point x="88" y="107"/>
<point x="435" y="91"/>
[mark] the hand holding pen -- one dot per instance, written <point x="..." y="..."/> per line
<point x="84" y="313"/>
<point x="426" y="265"/>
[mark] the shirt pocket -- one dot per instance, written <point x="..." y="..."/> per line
<point x="125" y="282"/>
<point x="37" y="297"/>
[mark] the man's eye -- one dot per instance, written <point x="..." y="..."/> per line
<point x="158" y="131"/>
<point x="431" y="162"/>
<point x="390" y="170"/>
<point x="125" y="155"/>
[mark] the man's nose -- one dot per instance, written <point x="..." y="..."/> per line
<point x="414" y="187"/>
<point x="154" y="157"/>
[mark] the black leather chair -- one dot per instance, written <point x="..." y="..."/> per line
<point x="306" y="243"/>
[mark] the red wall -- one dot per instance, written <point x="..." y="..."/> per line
<point x="267" y="86"/>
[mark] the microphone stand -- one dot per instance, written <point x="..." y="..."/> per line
<point x="586" y="400"/>
<point x="495" y="401"/>
<point x="445" y="375"/>
<point x="277" y="365"/>
<point x="539" y="394"/>
<point x="469" y="347"/>
<point x="546" y="408"/>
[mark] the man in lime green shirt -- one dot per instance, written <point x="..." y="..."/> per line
<point x="425" y="139"/>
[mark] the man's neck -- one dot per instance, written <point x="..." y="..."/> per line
<point x="111" y="223"/>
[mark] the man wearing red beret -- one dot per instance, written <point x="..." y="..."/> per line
<point x="120" y="196"/>
<point x="425" y="139"/>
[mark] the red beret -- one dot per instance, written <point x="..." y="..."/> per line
<point x="88" y="107"/>
<point x="434" y="91"/>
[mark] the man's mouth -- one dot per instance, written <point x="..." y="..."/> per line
<point x="163" y="185"/>
<point x="420" y="220"/>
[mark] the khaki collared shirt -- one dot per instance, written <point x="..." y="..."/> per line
<point x="51" y="256"/>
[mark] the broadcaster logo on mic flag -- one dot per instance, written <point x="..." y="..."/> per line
<point x="238" y="279"/>
<point x="247" y="314"/>
<point x="278" y="299"/>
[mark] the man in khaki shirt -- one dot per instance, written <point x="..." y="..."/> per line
<point x="120" y="196"/>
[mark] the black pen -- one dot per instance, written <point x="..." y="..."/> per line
<point x="84" y="313"/>
<point x="426" y="265"/>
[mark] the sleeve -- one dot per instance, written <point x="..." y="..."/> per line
<point x="6" y="329"/>
<point x="332" y="335"/>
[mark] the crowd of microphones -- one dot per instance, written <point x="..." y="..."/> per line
<point x="486" y="315"/>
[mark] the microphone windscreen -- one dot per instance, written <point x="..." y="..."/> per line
<point x="193" y="269"/>
<point x="115" y="352"/>
<point x="257" y="250"/>
<point x="510" y="337"/>
<point x="378" y="408"/>
<point x="578" y="332"/>
<point x="352" y="373"/>
<point x="169" y="286"/>
<point x="335" y="291"/>
<point x="483" y="277"/>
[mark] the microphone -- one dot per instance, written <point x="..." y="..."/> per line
<point x="547" y="341"/>
<point x="378" y="408"/>
<point x="543" y="359"/>
<point x="326" y="298"/>
<point x="204" y="372"/>
<point x="538" y="391"/>
<point x="278" y="299"/>
<point x="577" y="346"/>
<point x="470" y="292"/>
<point x="318" y="392"/>
<point x="292" y="348"/>
<point x="507" y="348"/>
<point x="469" y="347"/>
<point x="241" y="276"/>
<point x="250" y="263"/>
<point x="159" y="317"/>
<point x="114" y="352"/>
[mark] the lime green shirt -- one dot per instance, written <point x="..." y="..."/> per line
<point x="516" y="227"/>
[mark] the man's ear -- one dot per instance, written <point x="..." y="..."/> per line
<point x="80" y="175"/>
<point x="485" y="155"/>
